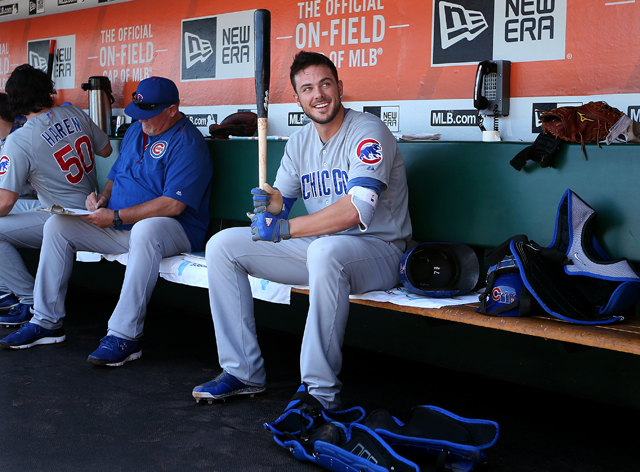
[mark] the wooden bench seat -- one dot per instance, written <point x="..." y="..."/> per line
<point x="622" y="336"/>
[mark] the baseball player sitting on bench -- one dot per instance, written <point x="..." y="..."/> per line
<point x="27" y="197"/>
<point x="55" y="151"/>
<point x="154" y="205"/>
<point x="347" y="168"/>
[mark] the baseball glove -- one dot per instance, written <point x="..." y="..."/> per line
<point x="588" y="123"/>
<point x="242" y="123"/>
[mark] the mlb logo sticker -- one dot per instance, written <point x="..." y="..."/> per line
<point x="369" y="151"/>
<point x="4" y="165"/>
<point x="158" y="149"/>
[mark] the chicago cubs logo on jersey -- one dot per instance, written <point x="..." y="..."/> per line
<point x="369" y="151"/>
<point x="158" y="149"/>
<point x="4" y="164"/>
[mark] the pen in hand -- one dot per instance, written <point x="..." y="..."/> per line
<point x="97" y="205"/>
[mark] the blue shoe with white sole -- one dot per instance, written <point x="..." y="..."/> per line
<point x="223" y="386"/>
<point x="8" y="300"/>
<point x="114" y="352"/>
<point x="31" y="335"/>
<point x="17" y="316"/>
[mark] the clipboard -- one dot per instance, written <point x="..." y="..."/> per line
<point x="58" y="210"/>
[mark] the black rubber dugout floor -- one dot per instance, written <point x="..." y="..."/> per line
<point x="60" y="413"/>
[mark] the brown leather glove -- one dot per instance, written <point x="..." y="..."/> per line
<point x="588" y="123"/>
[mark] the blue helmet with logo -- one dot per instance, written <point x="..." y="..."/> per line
<point x="504" y="297"/>
<point x="439" y="270"/>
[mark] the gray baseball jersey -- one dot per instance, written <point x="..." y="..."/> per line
<point x="362" y="148"/>
<point x="27" y="190"/>
<point x="55" y="152"/>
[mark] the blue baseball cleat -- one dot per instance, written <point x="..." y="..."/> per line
<point x="223" y="386"/>
<point x="31" y="335"/>
<point x="8" y="300"/>
<point x="17" y="316"/>
<point x="114" y="352"/>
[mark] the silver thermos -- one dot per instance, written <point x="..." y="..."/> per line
<point x="100" y="101"/>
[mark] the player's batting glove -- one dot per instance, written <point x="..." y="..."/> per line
<point x="266" y="227"/>
<point x="260" y="200"/>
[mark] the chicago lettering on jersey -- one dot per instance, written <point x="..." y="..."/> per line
<point x="323" y="183"/>
<point x="58" y="131"/>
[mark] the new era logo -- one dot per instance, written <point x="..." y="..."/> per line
<point x="37" y="61"/>
<point x="458" y="23"/>
<point x="196" y="49"/>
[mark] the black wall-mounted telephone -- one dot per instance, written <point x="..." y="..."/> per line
<point x="491" y="91"/>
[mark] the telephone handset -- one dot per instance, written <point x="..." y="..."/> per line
<point x="491" y="91"/>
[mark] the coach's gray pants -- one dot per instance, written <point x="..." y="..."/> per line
<point x="332" y="266"/>
<point x="21" y="228"/>
<point x="147" y="243"/>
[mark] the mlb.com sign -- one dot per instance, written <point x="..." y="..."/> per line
<point x="218" y="47"/>
<point x="470" y="31"/>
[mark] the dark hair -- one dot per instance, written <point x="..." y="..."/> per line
<point x="29" y="90"/>
<point x="5" y="112"/>
<point x="306" y="59"/>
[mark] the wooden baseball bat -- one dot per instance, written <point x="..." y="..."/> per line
<point x="262" y="30"/>
<point x="52" y="51"/>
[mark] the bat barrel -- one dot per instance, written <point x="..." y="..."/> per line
<point x="262" y="29"/>
<point x="52" y="50"/>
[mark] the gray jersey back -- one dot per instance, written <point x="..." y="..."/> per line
<point x="55" y="152"/>
<point x="363" y="147"/>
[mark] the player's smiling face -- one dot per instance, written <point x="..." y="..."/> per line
<point x="318" y="93"/>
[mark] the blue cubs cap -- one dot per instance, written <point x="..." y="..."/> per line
<point x="151" y="97"/>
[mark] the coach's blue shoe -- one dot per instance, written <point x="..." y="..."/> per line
<point x="17" y="316"/>
<point x="31" y="335"/>
<point x="223" y="386"/>
<point x="114" y="352"/>
<point x="8" y="300"/>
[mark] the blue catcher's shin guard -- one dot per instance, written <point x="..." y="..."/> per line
<point x="304" y="414"/>
<point x="336" y="447"/>
<point x="458" y="442"/>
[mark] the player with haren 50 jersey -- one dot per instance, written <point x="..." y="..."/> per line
<point x="348" y="170"/>
<point x="54" y="151"/>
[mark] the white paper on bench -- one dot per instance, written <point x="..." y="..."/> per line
<point x="179" y="270"/>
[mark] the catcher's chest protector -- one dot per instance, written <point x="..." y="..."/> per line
<point x="574" y="279"/>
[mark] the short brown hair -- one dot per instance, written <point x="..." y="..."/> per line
<point x="306" y="59"/>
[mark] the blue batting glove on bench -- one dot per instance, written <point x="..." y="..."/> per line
<point x="266" y="227"/>
<point x="260" y="200"/>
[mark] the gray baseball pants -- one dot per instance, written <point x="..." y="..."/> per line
<point x="333" y="267"/>
<point x="21" y="228"/>
<point x="147" y="243"/>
